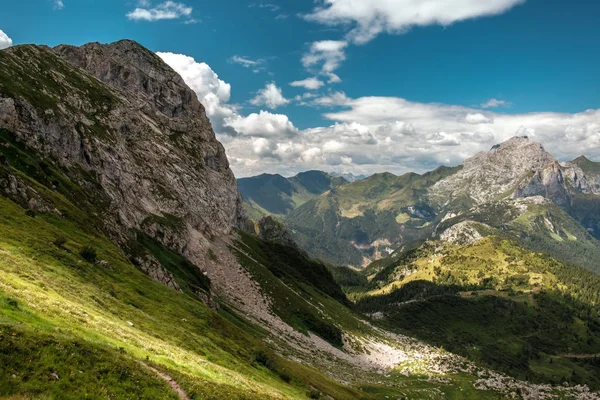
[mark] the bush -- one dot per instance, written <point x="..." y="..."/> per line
<point x="314" y="394"/>
<point x="88" y="253"/>
<point x="270" y="362"/>
<point x="211" y="255"/>
<point x="30" y="213"/>
<point x="59" y="241"/>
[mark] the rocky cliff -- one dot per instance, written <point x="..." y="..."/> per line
<point x="124" y="127"/>
<point x="119" y="112"/>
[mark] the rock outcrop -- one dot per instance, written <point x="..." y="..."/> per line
<point x="497" y="173"/>
<point x="271" y="230"/>
<point x="124" y="126"/>
<point x="518" y="168"/>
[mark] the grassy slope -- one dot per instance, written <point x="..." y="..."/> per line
<point x="362" y="212"/>
<point x="275" y="195"/>
<point x="50" y="291"/>
<point x="520" y="312"/>
<point x="543" y="227"/>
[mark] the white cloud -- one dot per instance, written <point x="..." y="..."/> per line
<point x="374" y="134"/>
<point x="270" y="96"/>
<point x="333" y="78"/>
<point x="167" y="10"/>
<point x="493" y="103"/>
<point x="368" y="19"/>
<point x="329" y="53"/>
<point x="5" y="41"/>
<point x="312" y="83"/>
<point x="263" y="124"/>
<point x="58" y="4"/>
<point x="478" y="118"/>
<point x="268" y="6"/>
<point x="247" y="62"/>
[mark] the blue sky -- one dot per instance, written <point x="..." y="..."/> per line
<point x="412" y="86"/>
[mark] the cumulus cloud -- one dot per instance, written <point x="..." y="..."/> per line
<point x="167" y="10"/>
<point x="374" y="134"/>
<point x="367" y="19"/>
<point x="477" y="118"/>
<point x="213" y="93"/>
<point x="270" y="96"/>
<point x="312" y="83"/>
<point x="493" y="103"/>
<point x="5" y="41"/>
<point x="58" y="5"/>
<point x="263" y="124"/>
<point x="329" y="54"/>
<point x="232" y="128"/>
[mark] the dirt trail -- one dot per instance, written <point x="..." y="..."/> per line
<point x="174" y="385"/>
<point x="569" y="355"/>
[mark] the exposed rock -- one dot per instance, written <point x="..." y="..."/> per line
<point x="497" y="173"/>
<point x="152" y="267"/>
<point x="124" y="126"/>
<point x="269" y="229"/>
<point x="463" y="234"/>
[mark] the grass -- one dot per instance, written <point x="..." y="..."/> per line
<point x="303" y="291"/>
<point x="340" y="225"/>
<point x="50" y="293"/>
<point x="497" y="304"/>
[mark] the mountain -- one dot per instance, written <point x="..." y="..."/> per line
<point x="127" y="269"/>
<point x="367" y="220"/>
<point x="495" y="303"/>
<point x="349" y="176"/>
<point x="275" y="195"/>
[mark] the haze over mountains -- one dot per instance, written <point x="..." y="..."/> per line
<point x="129" y="268"/>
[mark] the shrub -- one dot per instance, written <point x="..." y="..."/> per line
<point x="30" y="213"/>
<point x="270" y="362"/>
<point x="211" y="255"/>
<point x="59" y="241"/>
<point x="12" y="302"/>
<point x="314" y="394"/>
<point x="88" y="253"/>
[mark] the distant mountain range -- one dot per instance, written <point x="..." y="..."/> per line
<point x="269" y="194"/>
<point x="349" y="176"/>
<point x="359" y="222"/>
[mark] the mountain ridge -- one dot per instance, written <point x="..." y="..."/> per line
<point x="125" y="252"/>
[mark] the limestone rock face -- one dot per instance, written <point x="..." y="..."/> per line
<point x="462" y="234"/>
<point x="517" y="168"/>
<point x="141" y="131"/>
<point x="126" y="128"/>
<point x="497" y="173"/>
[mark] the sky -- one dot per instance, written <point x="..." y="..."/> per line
<point x="359" y="86"/>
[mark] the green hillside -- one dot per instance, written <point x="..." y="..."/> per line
<point x="519" y="312"/>
<point x="366" y="219"/>
<point x="75" y="316"/>
<point x="268" y="194"/>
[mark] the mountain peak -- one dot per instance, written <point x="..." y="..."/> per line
<point x="489" y="175"/>
<point x="580" y="160"/>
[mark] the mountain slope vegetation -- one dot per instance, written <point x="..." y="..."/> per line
<point x="275" y="195"/>
<point x="520" y="312"/>
<point x="127" y="269"/>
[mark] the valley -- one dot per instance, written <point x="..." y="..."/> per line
<point x="133" y="265"/>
